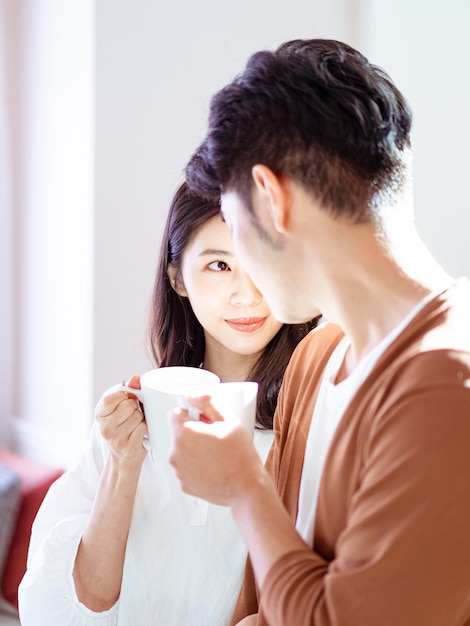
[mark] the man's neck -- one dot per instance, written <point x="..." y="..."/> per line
<point x="383" y="281"/>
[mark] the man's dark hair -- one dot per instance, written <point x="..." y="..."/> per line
<point x="315" y="111"/>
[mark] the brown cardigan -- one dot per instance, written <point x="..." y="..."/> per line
<point x="392" y="531"/>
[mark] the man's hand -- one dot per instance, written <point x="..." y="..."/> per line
<point x="250" y="620"/>
<point x="214" y="458"/>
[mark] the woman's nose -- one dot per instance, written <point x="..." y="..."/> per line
<point x="245" y="292"/>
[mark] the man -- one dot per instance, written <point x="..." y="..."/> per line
<point x="362" y="515"/>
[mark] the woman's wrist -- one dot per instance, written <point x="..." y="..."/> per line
<point x="125" y="463"/>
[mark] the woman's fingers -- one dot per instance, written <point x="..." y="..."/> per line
<point x="134" y="382"/>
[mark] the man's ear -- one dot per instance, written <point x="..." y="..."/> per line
<point x="175" y="281"/>
<point x="272" y="196"/>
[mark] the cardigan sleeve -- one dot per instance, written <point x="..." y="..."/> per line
<point x="404" y="554"/>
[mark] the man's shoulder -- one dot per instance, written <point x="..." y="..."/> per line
<point x="444" y="324"/>
<point x="324" y="337"/>
<point x="455" y="316"/>
<point x="432" y="355"/>
<point x="315" y="349"/>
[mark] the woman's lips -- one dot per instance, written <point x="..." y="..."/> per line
<point x="246" y="324"/>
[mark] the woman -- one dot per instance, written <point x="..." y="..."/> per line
<point x="108" y="546"/>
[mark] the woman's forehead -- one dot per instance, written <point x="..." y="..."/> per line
<point x="213" y="234"/>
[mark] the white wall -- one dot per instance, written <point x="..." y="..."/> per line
<point x="425" y="47"/>
<point x="115" y="96"/>
<point x="53" y="172"/>
<point x="6" y="236"/>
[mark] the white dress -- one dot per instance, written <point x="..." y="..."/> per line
<point x="174" y="574"/>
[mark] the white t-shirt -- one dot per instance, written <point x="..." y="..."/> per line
<point x="332" y="401"/>
<point x="174" y="574"/>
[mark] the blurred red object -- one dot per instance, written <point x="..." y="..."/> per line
<point x="35" y="479"/>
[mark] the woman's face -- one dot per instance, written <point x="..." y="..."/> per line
<point x="231" y="310"/>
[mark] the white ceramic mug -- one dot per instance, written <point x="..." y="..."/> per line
<point x="159" y="394"/>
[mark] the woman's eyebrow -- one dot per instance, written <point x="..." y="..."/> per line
<point x="215" y="252"/>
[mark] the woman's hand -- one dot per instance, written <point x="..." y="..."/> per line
<point x="122" y="424"/>
<point x="100" y="558"/>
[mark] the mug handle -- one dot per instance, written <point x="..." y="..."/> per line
<point x="123" y="387"/>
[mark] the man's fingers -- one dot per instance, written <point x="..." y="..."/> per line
<point x="177" y="417"/>
<point x="207" y="412"/>
<point x="180" y="420"/>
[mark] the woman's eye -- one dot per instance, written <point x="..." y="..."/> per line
<point x="219" y="266"/>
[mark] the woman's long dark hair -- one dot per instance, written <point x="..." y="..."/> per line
<point x="176" y="336"/>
